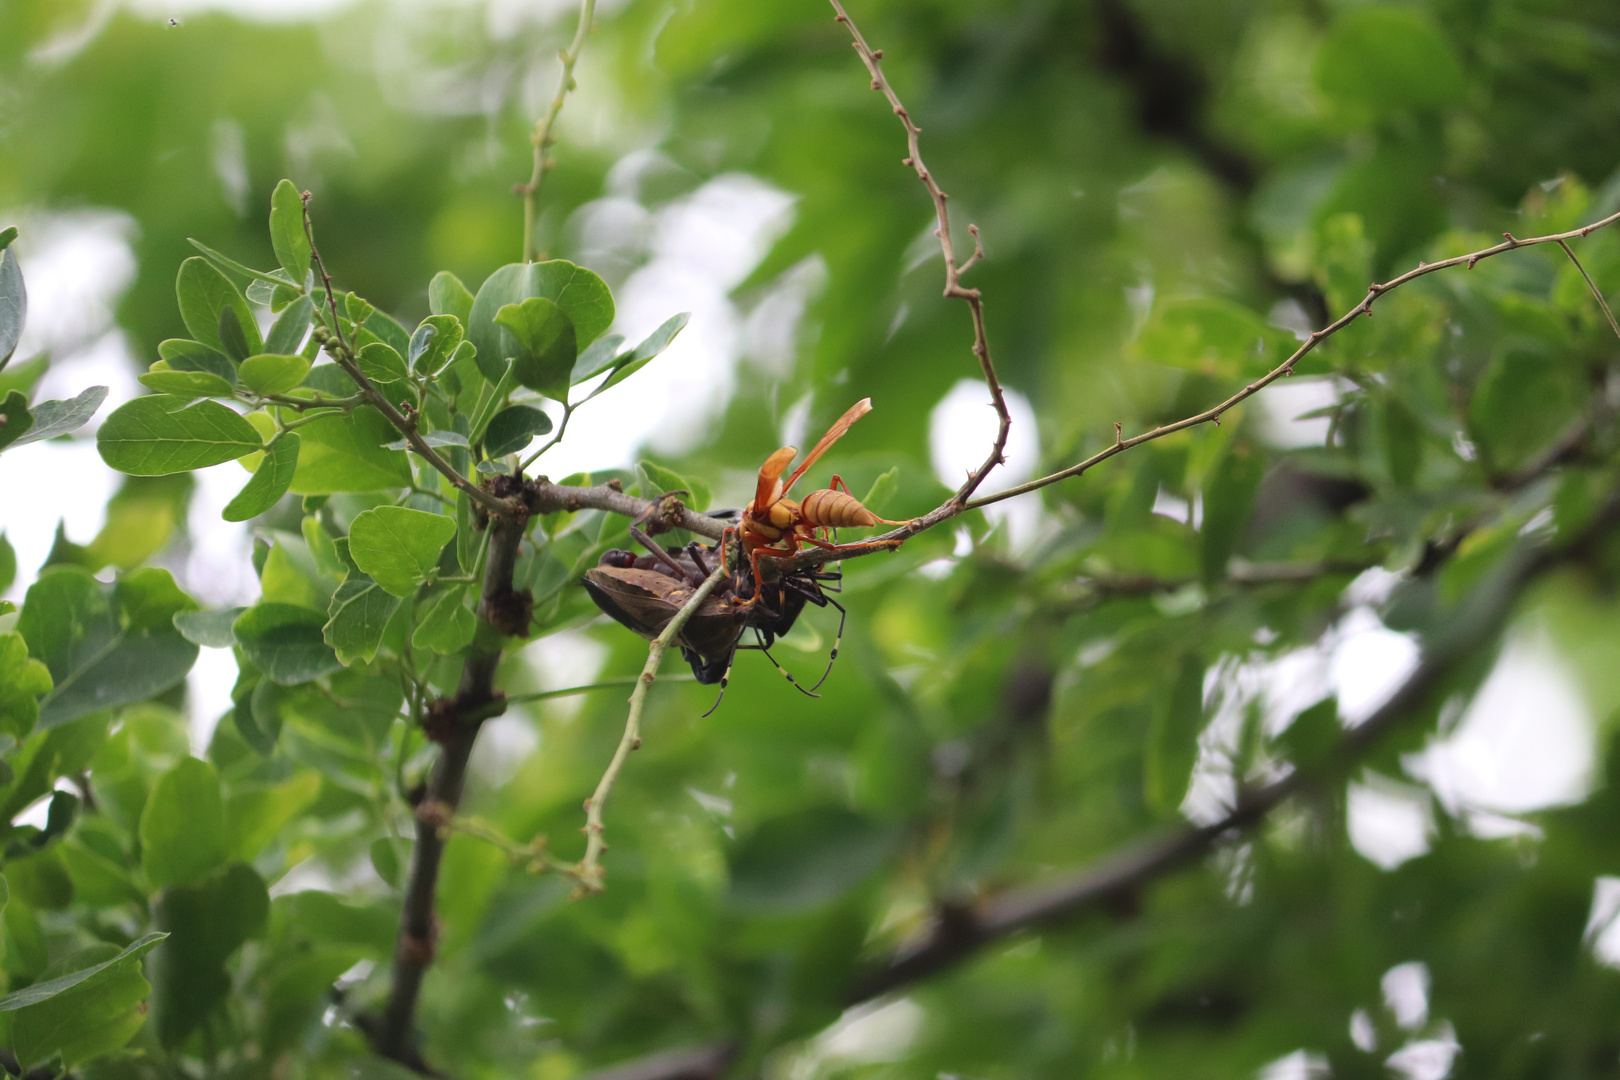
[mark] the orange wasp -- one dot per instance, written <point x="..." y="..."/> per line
<point x="775" y="525"/>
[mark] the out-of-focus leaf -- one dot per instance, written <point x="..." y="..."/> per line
<point x="806" y="859"/>
<point x="1228" y="501"/>
<point x="207" y="922"/>
<point x="448" y="624"/>
<point x="255" y="815"/>
<point x="1388" y="58"/>
<point x="13" y="304"/>
<point x="269" y="481"/>
<point x="8" y="563"/>
<point x="159" y="434"/>
<point x="183" y="825"/>
<point x="22" y="681"/>
<point x="639" y="357"/>
<point x="285" y="642"/>
<point x="597" y="358"/>
<point x="18" y="419"/>
<point x="1173" y="739"/>
<point x="287" y="332"/>
<point x="184" y="355"/>
<point x="397" y="546"/>
<point x="53" y="418"/>
<point x="1212" y="336"/>
<point x="104" y="647"/>
<point x="184" y="384"/>
<point x="209" y="629"/>
<point x="434" y="344"/>
<point x="656" y="480"/>
<point x="359" y="615"/>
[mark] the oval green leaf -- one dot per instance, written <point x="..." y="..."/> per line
<point x="284" y="642"/>
<point x="270" y="373"/>
<point x="162" y="434"/>
<point x="512" y="429"/>
<point x="397" y="546"/>
<point x="269" y="481"/>
<point x="183" y="825"/>
<point x="205" y="294"/>
<point x="583" y="297"/>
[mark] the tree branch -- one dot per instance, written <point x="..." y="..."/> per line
<point x="541" y="139"/>
<point x="455" y="727"/>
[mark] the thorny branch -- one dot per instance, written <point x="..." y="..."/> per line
<point x="954" y="289"/>
<point x="590" y="871"/>
<point x="542" y="138"/>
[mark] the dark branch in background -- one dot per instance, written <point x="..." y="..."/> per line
<point x="961" y="932"/>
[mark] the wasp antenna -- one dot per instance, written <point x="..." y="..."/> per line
<point x="832" y="658"/>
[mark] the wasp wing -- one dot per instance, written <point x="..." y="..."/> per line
<point x="834" y="433"/>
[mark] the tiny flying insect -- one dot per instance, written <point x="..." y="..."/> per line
<point x="774" y="526"/>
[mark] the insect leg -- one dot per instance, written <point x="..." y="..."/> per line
<point x="832" y="657"/>
<point x="784" y="671"/>
<point x="725" y="680"/>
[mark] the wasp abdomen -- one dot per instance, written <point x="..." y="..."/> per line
<point x="836" y="510"/>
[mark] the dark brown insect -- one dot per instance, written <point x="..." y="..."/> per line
<point x="643" y="592"/>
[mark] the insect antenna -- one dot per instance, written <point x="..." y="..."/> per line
<point x="725" y="680"/>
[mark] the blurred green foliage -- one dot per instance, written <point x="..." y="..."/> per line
<point x="1170" y="193"/>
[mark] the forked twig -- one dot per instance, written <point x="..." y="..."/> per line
<point x="541" y="138"/>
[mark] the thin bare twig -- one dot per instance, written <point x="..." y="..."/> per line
<point x="1597" y="293"/>
<point x="954" y="289"/>
<point x="1214" y="413"/>
<point x="541" y="139"/>
<point x="590" y="871"/>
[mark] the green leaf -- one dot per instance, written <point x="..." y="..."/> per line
<point x="348" y="454"/>
<point x="1212" y="336"/>
<point x="207" y="922"/>
<point x="287" y="234"/>
<point x="205" y="295"/>
<point x="583" y="297"/>
<point x="104" y="646"/>
<point x="183" y="825"/>
<point x="269" y="481"/>
<point x="397" y="546"/>
<point x="160" y="434"/>
<point x="185" y="384"/>
<point x="597" y="358"/>
<point x="185" y="355"/>
<point x="13" y="304"/>
<point x="434" y="344"/>
<point x="448" y="296"/>
<point x="7" y="235"/>
<point x="254" y="816"/>
<point x="22" y="681"/>
<point x="53" y="418"/>
<point x="209" y="629"/>
<point x="1389" y="59"/>
<point x="513" y="428"/>
<point x="18" y="419"/>
<point x="657" y="480"/>
<point x="287" y="332"/>
<point x="805" y="859"/>
<point x="448" y="625"/>
<point x="1172" y="746"/>
<point x="381" y="363"/>
<point x="284" y="642"/>
<point x="226" y="263"/>
<point x="434" y="438"/>
<point x="92" y="1020"/>
<point x="545" y="349"/>
<point x="387" y="329"/>
<point x="884" y="488"/>
<point x="1228" y="502"/>
<point x="358" y="617"/>
<point x="47" y="989"/>
<point x="270" y="373"/>
<point x="655" y="343"/>
<point x="8" y="563"/>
